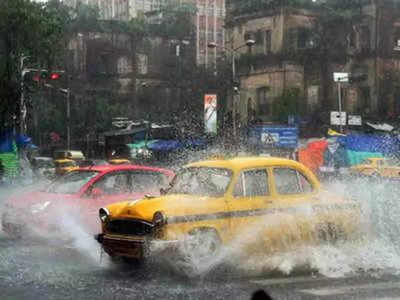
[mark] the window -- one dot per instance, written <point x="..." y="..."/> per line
<point x="292" y="39"/>
<point x="290" y="182"/>
<point x="203" y="181"/>
<point x="148" y="181"/>
<point x="365" y="38"/>
<point x="298" y="38"/>
<point x="72" y="182"/>
<point x="114" y="183"/>
<point x="258" y="38"/>
<point x="305" y="184"/>
<point x="253" y="183"/>
<point x="263" y="101"/>
<point x="268" y="45"/>
<point x="302" y="38"/>
<point x="247" y="36"/>
<point x="352" y="39"/>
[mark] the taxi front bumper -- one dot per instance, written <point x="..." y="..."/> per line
<point x="118" y="246"/>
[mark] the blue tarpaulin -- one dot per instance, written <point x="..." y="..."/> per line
<point x="6" y="141"/>
<point x="194" y="142"/>
<point x="165" y="145"/>
<point x="370" y="143"/>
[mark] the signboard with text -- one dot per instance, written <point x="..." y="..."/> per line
<point x="274" y="136"/>
<point x="355" y="120"/>
<point x="210" y="113"/>
<point x="338" y="118"/>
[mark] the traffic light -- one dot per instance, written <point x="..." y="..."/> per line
<point x="55" y="76"/>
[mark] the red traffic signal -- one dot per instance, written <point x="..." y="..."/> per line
<point x="55" y="76"/>
<point x="36" y="79"/>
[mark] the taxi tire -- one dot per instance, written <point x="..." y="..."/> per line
<point x="194" y="259"/>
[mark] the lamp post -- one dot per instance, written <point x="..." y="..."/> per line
<point x="22" y="106"/>
<point x="68" y="94"/>
<point x="235" y="90"/>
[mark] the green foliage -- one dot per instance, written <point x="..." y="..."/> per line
<point x="26" y="29"/>
<point x="288" y="103"/>
<point x="333" y="8"/>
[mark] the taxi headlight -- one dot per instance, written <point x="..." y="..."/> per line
<point x="159" y="219"/>
<point x="104" y="214"/>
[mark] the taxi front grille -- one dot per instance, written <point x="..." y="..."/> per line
<point x="129" y="227"/>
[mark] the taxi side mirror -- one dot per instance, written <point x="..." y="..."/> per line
<point x="96" y="192"/>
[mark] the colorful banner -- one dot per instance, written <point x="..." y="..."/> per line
<point x="210" y="113"/>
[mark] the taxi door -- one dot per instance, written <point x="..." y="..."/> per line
<point x="249" y="207"/>
<point x="294" y="197"/>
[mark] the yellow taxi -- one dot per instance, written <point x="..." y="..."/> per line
<point x="270" y="204"/>
<point x="119" y="161"/>
<point x="378" y="166"/>
<point x="65" y="165"/>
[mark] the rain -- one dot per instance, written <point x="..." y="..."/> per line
<point x="192" y="149"/>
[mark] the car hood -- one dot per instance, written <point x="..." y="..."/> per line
<point x="29" y="199"/>
<point x="170" y="205"/>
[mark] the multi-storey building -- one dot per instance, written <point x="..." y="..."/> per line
<point x="209" y="20"/>
<point x="288" y="56"/>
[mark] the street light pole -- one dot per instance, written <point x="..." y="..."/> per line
<point x="68" y="120"/>
<point x="22" y="107"/>
<point x="234" y="90"/>
<point x="340" y="105"/>
<point x="68" y="96"/>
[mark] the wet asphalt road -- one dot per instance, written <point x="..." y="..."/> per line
<point x="43" y="270"/>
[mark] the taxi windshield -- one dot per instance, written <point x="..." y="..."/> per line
<point x="72" y="182"/>
<point x="202" y="181"/>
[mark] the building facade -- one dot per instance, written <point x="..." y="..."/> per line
<point x="286" y="60"/>
<point x="209" y="20"/>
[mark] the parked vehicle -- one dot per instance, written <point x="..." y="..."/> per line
<point x="64" y="166"/>
<point x="69" y="154"/>
<point x="378" y="167"/>
<point x="43" y="167"/>
<point x="93" y="162"/>
<point x="77" y="196"/>
<point x="215" y="202"/>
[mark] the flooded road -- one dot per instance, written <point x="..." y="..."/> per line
<point x="366" y="269"/>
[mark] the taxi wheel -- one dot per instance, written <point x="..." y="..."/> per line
<point x="203" y="244"/>
<point x="200" y="248"/>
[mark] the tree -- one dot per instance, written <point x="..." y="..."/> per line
<point x="26" y="29"/>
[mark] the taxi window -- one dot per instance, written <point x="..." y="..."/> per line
<point x="287" y="181"/>
<point x="305" y="184"/>
<point x="252" y="183"/>
<point x="114" y="183"/>
<point x="148" y="181"/>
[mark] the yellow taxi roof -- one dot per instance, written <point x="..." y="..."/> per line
<point x="246" y="162"/>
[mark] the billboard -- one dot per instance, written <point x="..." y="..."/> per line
<point x="210" y="113"/>
<point x="274" y="136"/>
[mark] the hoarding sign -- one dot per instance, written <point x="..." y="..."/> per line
<point x="341" y="77"/>
<point x="337" y="118"/>
<point x="355" y="120"/>
<point x="274" y="136"/>
<point x="210" y="113"/>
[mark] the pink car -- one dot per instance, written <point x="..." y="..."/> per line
<point x="75" y="199"/>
